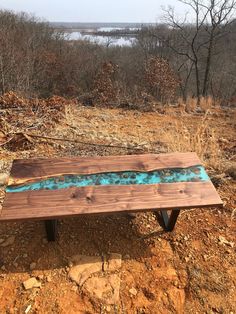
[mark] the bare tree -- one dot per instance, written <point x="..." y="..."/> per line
<point x="37" y="60"/>
<point x="196" y="39"/>
<point x="109" y="41"/>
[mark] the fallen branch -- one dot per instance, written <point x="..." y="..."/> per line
<point x="7" y="141"/>
<point x="232" y="157"/>
<point x="70" y="140"/>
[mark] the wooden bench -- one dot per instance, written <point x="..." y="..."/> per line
<point x="50" y="189"/>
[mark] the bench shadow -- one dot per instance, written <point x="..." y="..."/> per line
<point x="93" y="235"/>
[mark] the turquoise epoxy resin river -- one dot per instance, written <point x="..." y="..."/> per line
<point x="191" y="174"/>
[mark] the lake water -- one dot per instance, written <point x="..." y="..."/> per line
<point x="109" y="29"/>
<point x="103" y="40"/>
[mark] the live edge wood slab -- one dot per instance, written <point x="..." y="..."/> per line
<point x="49" y="189"/>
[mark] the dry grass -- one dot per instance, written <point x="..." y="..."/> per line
<point x="206" y="103"/>
<point x="190" y="105"/>
<point x="70" y="114"/>
<point x="203" y="141"/>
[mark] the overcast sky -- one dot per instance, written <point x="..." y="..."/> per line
<point x="93" y="10"/>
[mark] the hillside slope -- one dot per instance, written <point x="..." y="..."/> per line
<point x="190" y="270"/>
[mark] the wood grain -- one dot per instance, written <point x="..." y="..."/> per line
<point x="31" y="170"/>
<point x="45" y="204"/>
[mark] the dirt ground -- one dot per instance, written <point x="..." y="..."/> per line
<point x="189" y="270"/>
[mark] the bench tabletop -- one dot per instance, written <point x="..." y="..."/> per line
<point x="54" y="188"/>
<point x="24" y="170"/>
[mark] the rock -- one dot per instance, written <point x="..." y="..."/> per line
<point x="28" y="309"/>
<point x="222" y="240"/>
<point x="133" y="291"/>
<point x="40" y="277"/>
<point x="113" y="263"/>
<point x="205" y="257"/>
<point x="9" y="241"/>
<point x="31" y="283"/>
<point x="187" y="259"/>
<point x="106" y="289"/>
<point x="49" y="278"/>
<point x="3" y="178"/>
<point x="70" y="264"/>
<point x="84" y="267"/>
<point x="231" y="171"/>
<point x="33" y="266"/>
<point x="75" y="289"/>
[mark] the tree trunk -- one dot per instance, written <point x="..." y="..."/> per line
<point x="197" y="83"/>
<point x="208" y="65"/>
<point x="2" y="76"/>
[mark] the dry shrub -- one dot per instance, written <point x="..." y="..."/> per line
<point x="12" y="100"/>
<point x="19" y="114"/>
<point x="161" y="79"/>
<point x="105" y="89"/>
<point x="202" y="140"/>
<point x="142" y="101"/>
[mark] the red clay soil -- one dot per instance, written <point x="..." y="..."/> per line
<point x="189" y="270"/>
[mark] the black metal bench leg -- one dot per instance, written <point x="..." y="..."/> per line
<point x="51" y="229"/>
<point x="168" y="222"/>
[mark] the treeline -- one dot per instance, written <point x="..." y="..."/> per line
<point x="201" y="51"/>
<point x="37" y="61"/>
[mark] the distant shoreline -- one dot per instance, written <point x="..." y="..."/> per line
<point x="122" y="34"/>
<point x="94" y="26"/>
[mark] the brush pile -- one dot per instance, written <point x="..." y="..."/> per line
<point x="19" y="116"/>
